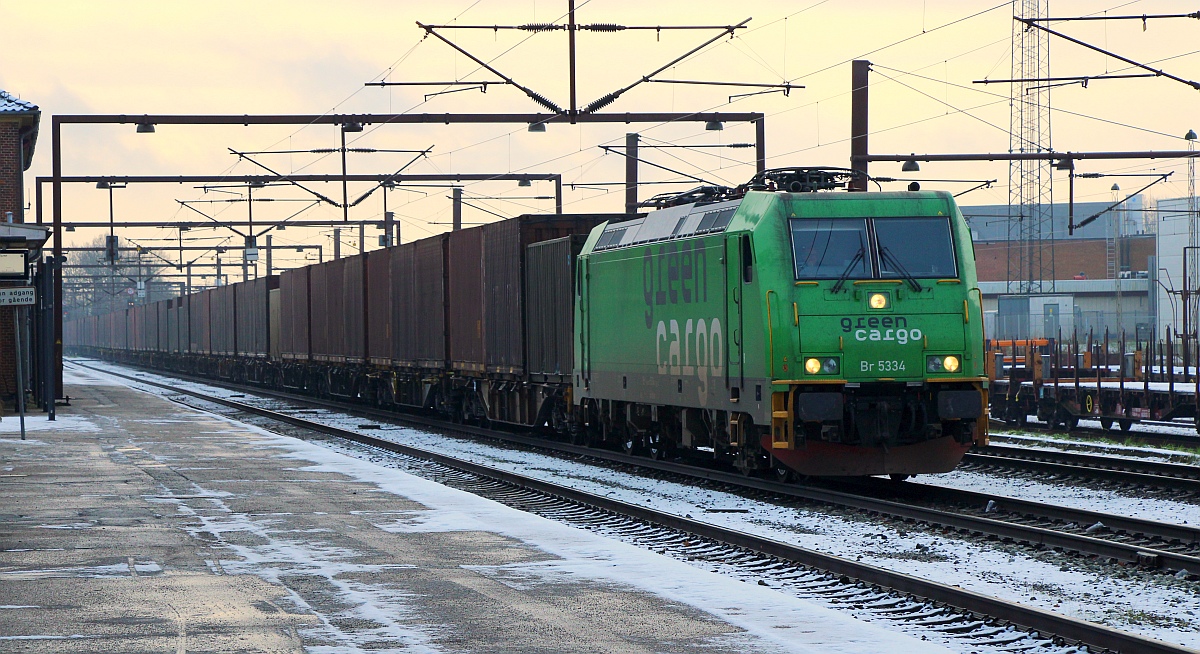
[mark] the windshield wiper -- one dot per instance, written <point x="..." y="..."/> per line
<point x="841" y="281"/>
<point x="887" y="256"/>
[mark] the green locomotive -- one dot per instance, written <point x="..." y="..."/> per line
<point x="818" y="333"/>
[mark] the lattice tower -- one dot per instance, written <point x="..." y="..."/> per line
<point x="1030" y="187"/>
<point x="1193" y="240"/>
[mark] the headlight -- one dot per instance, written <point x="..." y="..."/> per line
<point x="878" y="300"/>
<point x="830" y="366"/>
<point x="942" y="363"/>
<point x="812" y="366"/>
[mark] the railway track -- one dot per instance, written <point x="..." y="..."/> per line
<point x="867" y="590"/>
<point x="1125" y="471"/>
<point x="1149" y="545"/>
<point x="1182" y="433"/>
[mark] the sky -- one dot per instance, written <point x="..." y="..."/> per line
<point x="299" y="57"/>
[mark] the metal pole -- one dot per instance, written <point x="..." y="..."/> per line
<point x="337" y="243"/>
<point x="362" y="238"/>
<point x="456" y="221"/>
<point x="760" y="144"/>
<point x="345" y="188"/>
<point x="571" y="55"/>
<point x="20" y="369"/>
<point x="269" y="269"/>
<point x="631" y="173"/>
<point x="47" y="293"/>
<point x="858" y="122"/>
<point x="558" y="194"/>
<point x="387" y="220"/>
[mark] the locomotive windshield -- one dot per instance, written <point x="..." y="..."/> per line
<point x="858" y="248"/>
<point x="920" y="247"/>
<point x="831" y="248"/>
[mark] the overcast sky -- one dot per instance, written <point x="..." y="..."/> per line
<point x="302" y="57"/>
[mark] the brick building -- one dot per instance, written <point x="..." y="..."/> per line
<point x="1088" y="256"/>
<point x="19" y="121"/>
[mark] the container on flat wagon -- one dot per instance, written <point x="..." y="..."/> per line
<point x="273" y="318"/>
<point x="504" y="245"/>
<point x="150" y="341"/>
<point x="325" y="309"/>
<point x="351" y="346"/>
<point x="161" y="341"/>
<point x="223" y="319"/>
<point x="199" y="327"/>
<point x="294" y="313"/>
<point x="173" y="325"/>
<point x="379" y="306"/>
<point x="419" y="338"/>
<point x="135" y="323"/>
<point x="550" y="307"/>
<point x="464" y="264"/>
<point x="252" y="325"/>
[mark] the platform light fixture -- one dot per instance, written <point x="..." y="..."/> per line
<point x="714" y="126"/>
<point x="537" y="127"/>
<point x="1067" y="164"/>
<point x="352" y="127"/>
<point x="145" y="128"/>
<point x="910" y="166"/>
<point x="524" y="182"/>
<point x="1191" y="135"/>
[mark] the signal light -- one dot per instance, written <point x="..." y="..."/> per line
<point x="878" y="300"/>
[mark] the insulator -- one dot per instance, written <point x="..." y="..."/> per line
<point x="603" y="27"/>
<point x="601" y="103"/>
<point x="539" y="27"/>
<point x="544" y="102"/>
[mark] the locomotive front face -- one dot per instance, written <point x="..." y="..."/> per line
<point x="883" y="347"/>
<point x="888" y="325"/>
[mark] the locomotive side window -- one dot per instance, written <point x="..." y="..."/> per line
<point x="920" y="247"/>
<point x="831" y="248"/>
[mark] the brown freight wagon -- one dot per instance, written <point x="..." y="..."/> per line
<point x="223" y="319"/>
<point x="163" y="335"/>
<point x="199" y="327"/>
<point x="504" y="246"/>
<point x="464" y="262"/>
<point x="294" y="313"/>
<point x="550" y="308"/>
<point x="337" y="311"/>
<point x="252" y="327"/>
<point x="418" y="271"/>
<point x="379" y="306"/>
<point x="174" y="310"/>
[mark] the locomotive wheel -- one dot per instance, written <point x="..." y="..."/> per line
<point x="656" y="445"/>
<point x="782" y="473"/>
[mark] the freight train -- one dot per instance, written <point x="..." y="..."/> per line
<point x="778" y="327"/>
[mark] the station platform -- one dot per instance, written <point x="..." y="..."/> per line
<point x="135" y="524"/>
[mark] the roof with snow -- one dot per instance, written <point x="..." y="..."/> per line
<point x="28" y="116"/>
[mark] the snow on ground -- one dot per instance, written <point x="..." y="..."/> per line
<point x="772" y="621"/>
<point x="1163" y="609"/>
